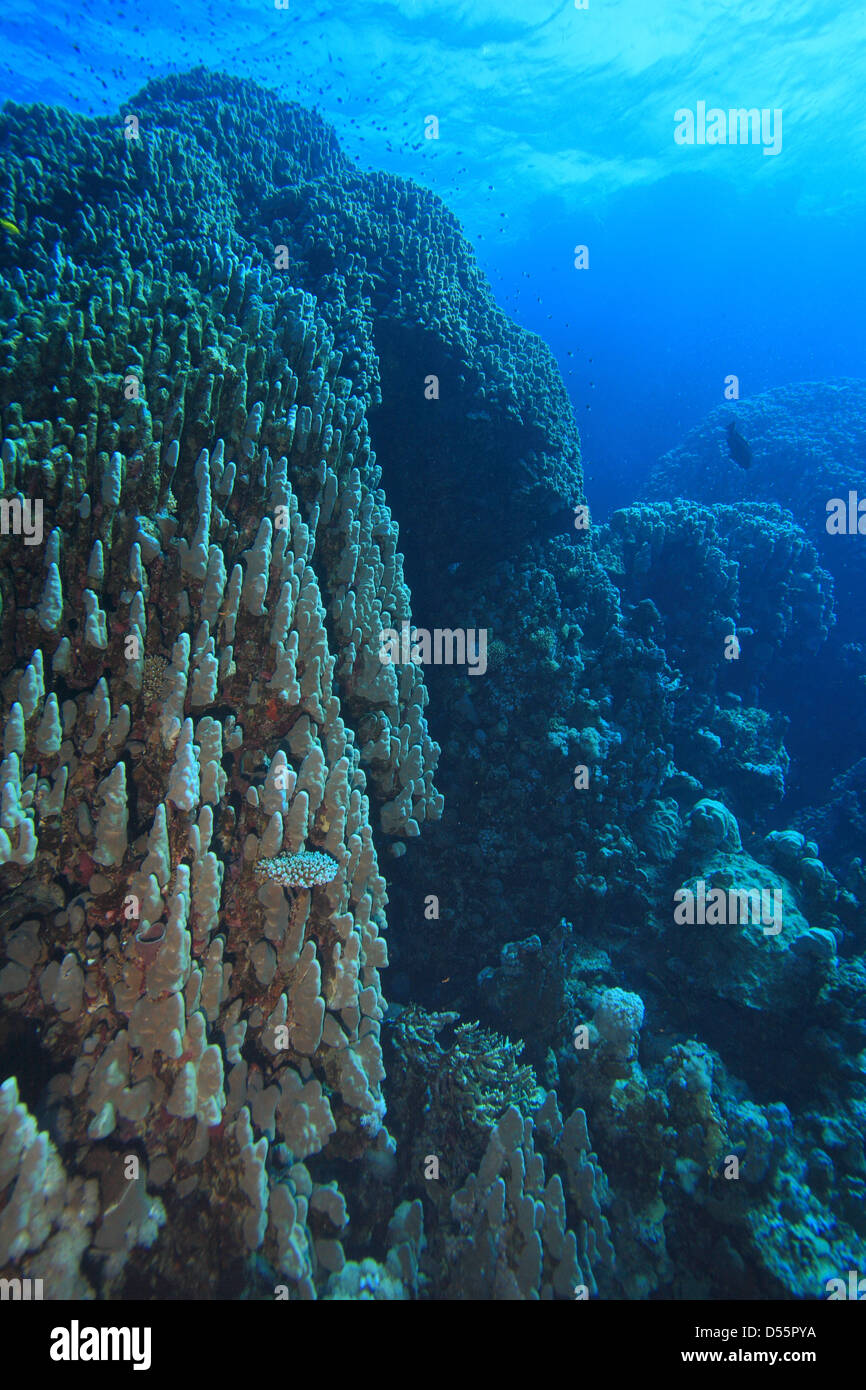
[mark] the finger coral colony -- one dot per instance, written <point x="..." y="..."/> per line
<point x="206" y="765"/>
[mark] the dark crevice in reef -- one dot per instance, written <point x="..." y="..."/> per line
<point x="459" y="477"/>
<point x="23" y="1054"/>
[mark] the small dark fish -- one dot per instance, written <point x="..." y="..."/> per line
<point x="737" y="446"/>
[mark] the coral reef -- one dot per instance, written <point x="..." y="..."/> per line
<point x="808" y="442"/>
<point x="46" y="1219"/>
<point x="198" y="325"/>
<point x="624" y="1056"/>
<point x="496" y="1226"/>
<point x="217" y="566"/>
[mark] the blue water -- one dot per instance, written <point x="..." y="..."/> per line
<point x="556" y="129"/>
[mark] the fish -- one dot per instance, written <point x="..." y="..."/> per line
<point x="9" y="226"/>
<point x="738" y="448"/>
